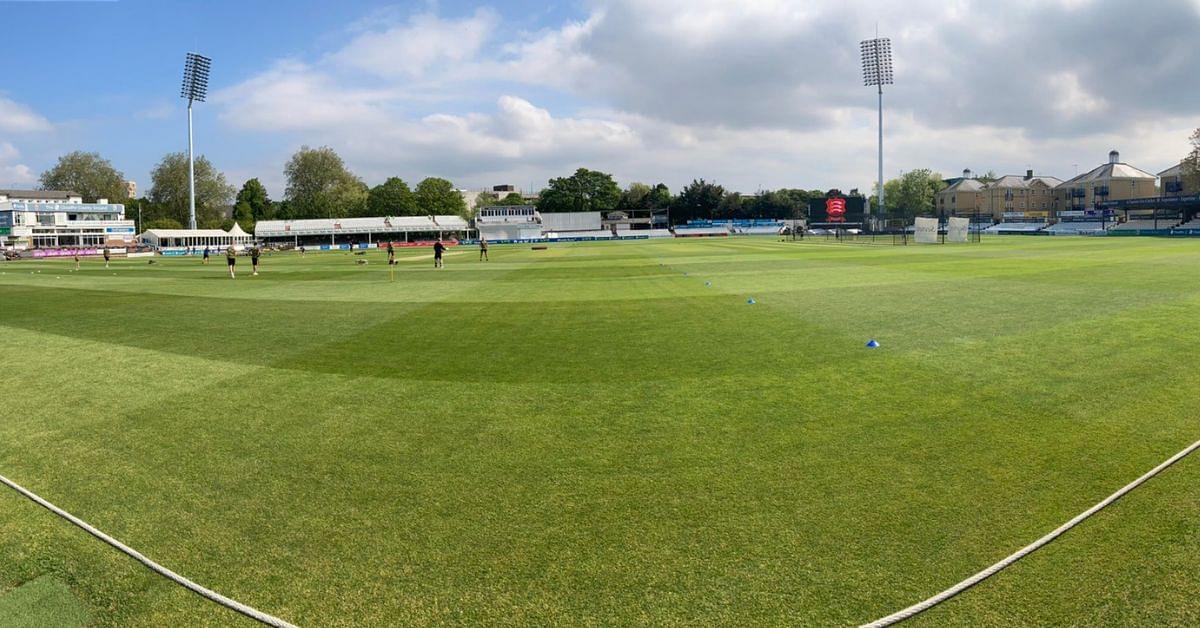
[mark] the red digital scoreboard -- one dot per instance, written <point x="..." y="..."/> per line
<point x="835" y="209"/>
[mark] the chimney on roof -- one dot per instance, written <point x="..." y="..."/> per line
<point x="1028" y="175"/>
<point x="966" y="173"/>
<point x="1114" y="157"/>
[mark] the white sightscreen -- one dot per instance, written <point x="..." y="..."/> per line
<point x="571" y="221"/>
<point x="957" y="229"/>
<point x="926" y="230"/>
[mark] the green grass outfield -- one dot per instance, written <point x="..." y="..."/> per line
<point x="590" y="435"/>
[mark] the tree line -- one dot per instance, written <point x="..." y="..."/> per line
<point x="319" y="185"/>
<point x="591" y="190"/>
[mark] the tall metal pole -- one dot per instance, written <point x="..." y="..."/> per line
<point x="877" y="72"/>
<point x="882" y="218"/>
<point x="195" y="88"/>
<point x="191" y="174"/>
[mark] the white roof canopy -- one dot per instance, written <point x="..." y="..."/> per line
<point x="386" y="224"/>
<point x="190" y="233"/>
<point x="190" y="237"/>
<point x="1111" y="171"/>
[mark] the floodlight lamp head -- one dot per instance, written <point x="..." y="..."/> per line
<point x="877" y="62"/>
<point x="195" y="77"/>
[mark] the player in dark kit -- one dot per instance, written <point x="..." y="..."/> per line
<point x="391" y="254"/>
<point x="438" y="248"/>
<point x="106" y="257"/>
<point x="231" y="260"/>
<point x="254" y="255"/>
<point x="206" y="255"/>
<point x="483" y="249"/>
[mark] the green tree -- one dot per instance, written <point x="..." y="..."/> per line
<point x="642" y="196"/>
<point x="392" y="198"/>
<point x="486" y="199"/>
<point x="320" y="186"/>
<point x="891" y="189"/>
<point x="254" y="194"/>
<point x="1191" y="166"/>
<point x="87" y="174"/>
<point x="513" y="198"/>
<point x="438" y="197"/>
<point x="169" y="190"/>
<point x="697" y="200"/>
<point x="636" y="196"/>
<point x="251" y="205"/>
<point x="660" y="197"/>
<point x="491" y="199"/>
<point x="354" y="198"/>
<point x="243" y="214"/>
<point x="282" y="210"/>
<point x="730" y="207"/>
<point x="586" y="190"/>
<point x="780" y="204"/>
<point x="912" y="194"/>
<point x="144" y="211"/>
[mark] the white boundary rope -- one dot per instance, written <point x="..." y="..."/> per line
<point x="1028" y="549"/>
<point x="209" y="594"/>
<point x="894" y="618"/>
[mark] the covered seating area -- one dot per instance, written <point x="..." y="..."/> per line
<point x="196" y="238"/>
<point x="360" y="230"/>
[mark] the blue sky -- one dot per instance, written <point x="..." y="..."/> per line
<point x="756" y="94"/>
<point x="107" y="74"/>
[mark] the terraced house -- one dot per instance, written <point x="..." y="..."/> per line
<point x="1173" y="183"/>
<point x="1113" y="181"/>
<point x="1031" y="196"/>
<point x="962" y="197"/>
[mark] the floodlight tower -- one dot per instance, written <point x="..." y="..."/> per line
<point x="877" y="72"/>
<point x="195" y="88"/>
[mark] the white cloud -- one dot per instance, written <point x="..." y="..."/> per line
<point x="11" y="172"/>
<point x="465" y="146"/>
<point x="552" y="57"/>
<point x="751" y="94"/>
<point x="1073" y="100"/>
<point x="17" y="118"/>
<point x="295" y="96"/>
<point x="424" y="42"/>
